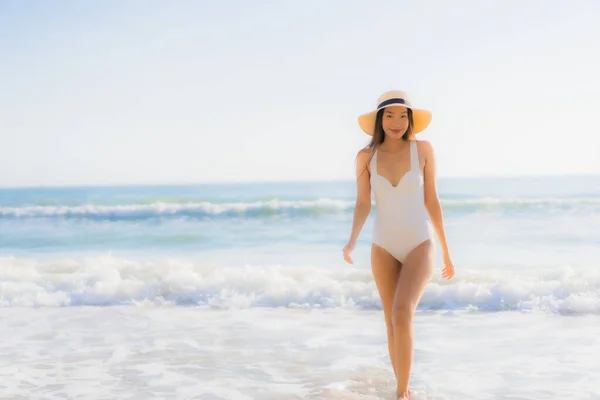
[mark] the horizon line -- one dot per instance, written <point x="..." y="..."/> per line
<point x="278" y="181"/>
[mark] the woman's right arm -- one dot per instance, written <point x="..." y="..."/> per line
<point x="362" y="207"/>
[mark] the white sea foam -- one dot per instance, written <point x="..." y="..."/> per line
<point x="119" y="281"/>
<point x="266" y="353"/>
<point x="205" y="209"/>
<point x="198" y="209"/>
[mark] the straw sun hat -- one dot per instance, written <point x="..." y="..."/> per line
<point x="421" y="118"/>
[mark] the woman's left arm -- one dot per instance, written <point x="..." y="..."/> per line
<point x="434" y="208"/>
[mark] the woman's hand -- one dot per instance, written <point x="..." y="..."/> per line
<point x="448" y="271"/>
<point x="347" y="250"/>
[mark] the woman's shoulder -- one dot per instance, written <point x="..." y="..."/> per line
<point x="424" y="146"/>
<point x="365" y="152"/>
<point x="364" y="156"/>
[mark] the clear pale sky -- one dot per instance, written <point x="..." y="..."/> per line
<point x="119" y="92"/>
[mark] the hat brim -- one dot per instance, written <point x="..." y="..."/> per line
<point x="421" y="120"/>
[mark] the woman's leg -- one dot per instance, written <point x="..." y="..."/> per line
<point x="416" y="272"/>
<point x="386" y="270"/>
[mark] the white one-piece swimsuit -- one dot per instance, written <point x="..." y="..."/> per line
<point x="401" y="221"/>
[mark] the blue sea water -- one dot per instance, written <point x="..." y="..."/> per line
<point x="215" y="269"/>
<point x="530" y="225"/>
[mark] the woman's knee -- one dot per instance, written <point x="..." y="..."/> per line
<point x="390" y="331"/>
<point x="402" y="315"/>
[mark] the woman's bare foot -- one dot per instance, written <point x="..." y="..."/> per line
<point x="403" y="396"/>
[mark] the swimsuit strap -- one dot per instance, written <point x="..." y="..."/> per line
<point x="373" y="164"/>
<point x="414" y="156"/>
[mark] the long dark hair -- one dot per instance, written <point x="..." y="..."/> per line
<point x="379" y="135"/>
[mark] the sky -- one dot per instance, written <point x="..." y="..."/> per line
<point x="145" y="92"/>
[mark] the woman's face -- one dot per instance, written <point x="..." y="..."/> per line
<point x="395" y="121"/>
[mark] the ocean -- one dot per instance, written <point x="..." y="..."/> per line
<point x="240" y="291"/>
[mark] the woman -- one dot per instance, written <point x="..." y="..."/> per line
<point x="401" y="173"/>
